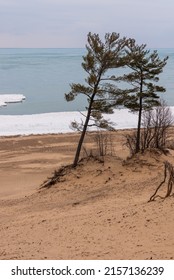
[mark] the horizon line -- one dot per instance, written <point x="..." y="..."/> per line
<point x="71" y="47"/>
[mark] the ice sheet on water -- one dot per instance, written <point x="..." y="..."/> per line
<point x="57" y="122"/>
<point x="10" y="98"/>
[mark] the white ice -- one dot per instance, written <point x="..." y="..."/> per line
<point x="10" y="98"/>
<point x="57" y="122"/>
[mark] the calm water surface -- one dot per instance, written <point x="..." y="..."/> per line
<point x="44" y="76"/>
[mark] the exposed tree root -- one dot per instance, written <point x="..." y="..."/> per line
<point x="168" y="170"/>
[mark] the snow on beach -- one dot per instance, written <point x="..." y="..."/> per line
<point x="54" y="122"/>
<point x="57" y="122"/>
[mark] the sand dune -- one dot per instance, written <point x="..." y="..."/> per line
<point x="97" y="211"/>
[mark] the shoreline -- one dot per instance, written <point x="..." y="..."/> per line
<point x="62" y="133"/>
<point x="60" y="122"/>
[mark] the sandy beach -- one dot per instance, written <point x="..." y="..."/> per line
<point x="99" y="210"/>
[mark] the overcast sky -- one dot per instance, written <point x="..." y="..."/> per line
<point x="65" y="23"/>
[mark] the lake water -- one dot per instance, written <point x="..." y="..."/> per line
<point x="44" y="76"/>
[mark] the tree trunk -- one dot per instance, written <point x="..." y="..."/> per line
<point x="139" y="117"/>
<point x="79" y="147"/>
<point x="82" y="136"/>
<point x="139" y="128"/>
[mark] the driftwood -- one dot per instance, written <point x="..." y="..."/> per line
<point x="168" y="170"/>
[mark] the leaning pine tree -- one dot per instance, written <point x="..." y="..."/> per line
<point x="145" y="69"/>
<point x="100" y="92"/>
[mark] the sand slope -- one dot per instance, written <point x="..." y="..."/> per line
<point x="97" y="211"/>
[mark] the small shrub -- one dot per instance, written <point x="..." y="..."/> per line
<point x="104" y="143"/>
<point x="155" y="131"/>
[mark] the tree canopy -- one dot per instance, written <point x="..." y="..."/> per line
<point x="101" y="85"/>
<point x="145" y="67"/>
<point x="100" y="88"/>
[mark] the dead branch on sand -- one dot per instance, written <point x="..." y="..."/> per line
<point x="67" y="169"/>
<point x="168" y="170"/>
<point x="57" y="177"/>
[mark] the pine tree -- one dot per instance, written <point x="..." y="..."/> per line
<point x="145" y="67"/>
<point x="100" y="89"/>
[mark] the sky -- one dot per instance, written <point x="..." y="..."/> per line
<point x="66" y="23"/>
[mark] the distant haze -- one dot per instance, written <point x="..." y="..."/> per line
<point x="65" y="23"/>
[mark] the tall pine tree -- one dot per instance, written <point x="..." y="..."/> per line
<point x="145" y="67"/>
<point x="99" y="89"/>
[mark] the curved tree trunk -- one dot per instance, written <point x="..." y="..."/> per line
<point x="82" y="136"/>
